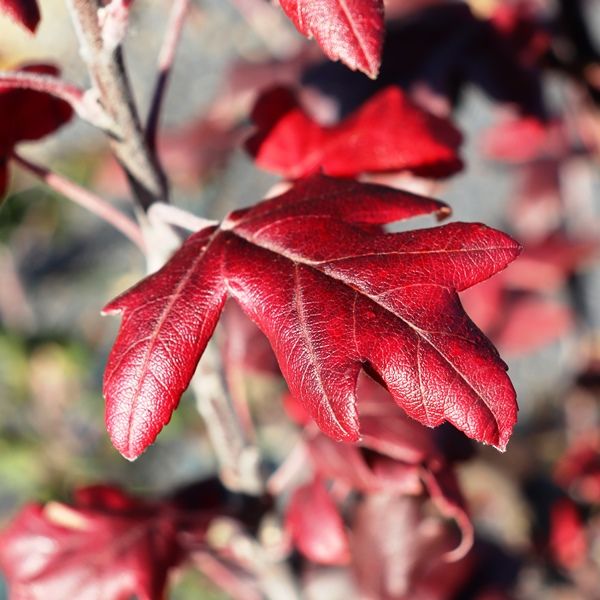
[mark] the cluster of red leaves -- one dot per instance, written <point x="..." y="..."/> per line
<point x="395" y="456"/>
<point x="111" y="545"/>
<point x="33" y="115"/>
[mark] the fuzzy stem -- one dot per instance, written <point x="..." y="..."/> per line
<point x="40" y="82"/>
<point x="172" y="215"/>
<point x="86" y="199"/>
<point x="109" y="78"/>
<point x="166" y="57"/>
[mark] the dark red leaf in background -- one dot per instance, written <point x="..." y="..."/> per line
<point x="24" y="12"/>
<point x="91" y="550"/>
<point x="388" y="133"/>
<point x="348" y="30"/>
<point x="567" y="543"/>
<point x="315" y="525"/>
<point x="331" y="297"/>
<point x="398" y="456"/>
<point x="244" y="347"/>
<point x="33" y="115"/>
<point x="578" y="471"/>
<point x="27" y="115"/>
<point x="399" y="554"/>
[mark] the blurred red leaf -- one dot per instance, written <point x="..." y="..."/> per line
<point x="399" y="554"/>
<point x="519" y="24"/>
<point x="567" y="543"/>
<point x="244" y="346"/>
<point x="398" y="456"/>
<point x="517" y="322"/>
<point x="315" y="525"/>
<point x="579" y="470"/>
<point x="433" y="53"/>
<point x="525" y="139"/>
<point x="107" y="545"/>
<point x="330" y="296"/>
<point x="388" y="133"/>
<point x="23" y="12"/>
<point x="348" y="30"/>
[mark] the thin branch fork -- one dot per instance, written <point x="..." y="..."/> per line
<point x="166" y="58"/>
<point x="86" y="199"/>
<point x="109" y="78"/>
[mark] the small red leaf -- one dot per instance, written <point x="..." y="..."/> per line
<point x="347" y="30"/>
<point x="315" y="525"/>
<point x="24" y="12"/>
<point x="331" y="295"/>
<point x="388" y="133"/>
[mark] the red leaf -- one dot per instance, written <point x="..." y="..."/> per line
<point x="347" y="30"/>
<point x="113" y="551"/>
<point x="525" y="139"/>
<point x="567" y="543"/>
<point x="579" y="470"/>
<point x="388" y="133"/>
<point x="23" y="12"/>
<point x="315" y="525"/>
<point x="33" y="115"/>
<point x="399" y="554"/>
<point x="331" y="296"/>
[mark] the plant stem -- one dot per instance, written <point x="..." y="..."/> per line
<point x="238" y="458"/>
<point x="85" y="198"/>
<point x="166" y="57"/>
<point x="109" y="78"/>
<point x="173" y="215"/>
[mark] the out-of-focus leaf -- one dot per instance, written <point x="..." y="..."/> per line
<point x="388" y="133"/>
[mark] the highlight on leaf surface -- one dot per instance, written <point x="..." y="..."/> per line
<point x="388" y="133"/>
<point x="333" y="295"/>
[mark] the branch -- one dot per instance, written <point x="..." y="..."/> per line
<point x="85" y="198"/>
<point x="172" y="215"/>
<point x="109" y="78"/>
<point x="166" y="57"/>
<point x="238" y="457"/>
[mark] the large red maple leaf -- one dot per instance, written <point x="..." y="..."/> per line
<point x="332" y="295"/>
<point x="388" y="133"/>
<point x="347" y="30"/>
